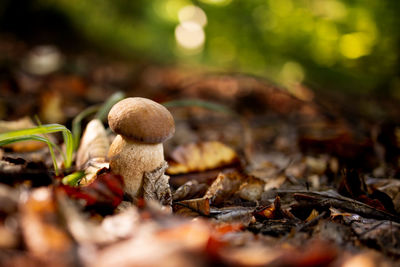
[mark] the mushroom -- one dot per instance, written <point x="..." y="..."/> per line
<point x="142" y="126"/>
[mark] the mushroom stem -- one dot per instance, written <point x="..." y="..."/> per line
<point x="131" y="159"/>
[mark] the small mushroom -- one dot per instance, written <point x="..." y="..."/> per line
<point x="142" y="126"/>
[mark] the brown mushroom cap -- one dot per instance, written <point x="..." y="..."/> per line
<point x="142" y="120"/>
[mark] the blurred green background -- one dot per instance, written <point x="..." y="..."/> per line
<point x="350" y="45"/>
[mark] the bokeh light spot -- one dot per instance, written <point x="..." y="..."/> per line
<point x="193" y="14"/>
<point x="217" y="2"/>
<point x="330" y="9"/>
<point x="190" y="35"/>
<point x="292" y="73"/>
<point x="355" y="45"/>
<point x="168" y="9"/>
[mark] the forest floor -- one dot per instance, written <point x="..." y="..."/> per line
<point x="259" y="176"/>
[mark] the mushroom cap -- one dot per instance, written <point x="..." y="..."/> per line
<point x="141" y="119"/>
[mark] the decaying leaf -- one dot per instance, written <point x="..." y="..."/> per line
<point x="243" y="215"/>
<point x="193" y="207"/>
<point x="273" y="211"/>
<point x="381" y="233"/>
<point x="223" y="187"/>
<point x="190" y="189"/>
<point x="156" y="186"/>
<point x="93" y="149"/>
<point x="353" y="185"/>
<point x="313" y="214"/>
<point x="228" y="183"/>
<point x="251" y="189"/>
<point x="197" y="157"/>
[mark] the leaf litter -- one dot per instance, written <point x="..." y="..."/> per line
<point x="281" y="181"/>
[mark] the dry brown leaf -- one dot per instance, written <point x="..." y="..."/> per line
<point x="156" y="186"/>
<point x="224" y="187"/>
<point x="228" y="183"/>
<point x="313" y="214"/>
<point x="193" y="207"/>
<point x="189" y="190"/>
<point x="242" y="215"/>
<point x="197" y="157"/>
<point x="251" y="189"/>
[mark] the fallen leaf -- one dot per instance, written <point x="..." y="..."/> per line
<point x="104" y="194"/>
<point x="190" y="189"/>
<point x="193" y="207"/>
<point x="243" y="215"/>
<point x="156" y="186"/>
<point x="273" y="211"/>
<point x="228" y="183"/>
<point x="313" y="214"/>
<point x="198" y="157"/>
<point x="251" y="189"/>
<point x="223" y="187"/>
<point x="94" y="144"/>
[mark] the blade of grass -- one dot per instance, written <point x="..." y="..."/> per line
<point x="36" y="138"/>
<point x="111" y="101"/>
<point x="77" y="122"/>
<point x="43" y="129"/>
<point x="73" y="179"/>
<point x="199" y="103"/>
<point x="56" y="147"/>
<point x="101" y="114"/>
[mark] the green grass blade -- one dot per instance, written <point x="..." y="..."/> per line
<point x="36" y="138"/>
<point x="101" y="114"/>
<point x="77" y="123"/>
<point x="69" y="151"/>
<point x="111" y="101"/>
<point x="73" y="179"/>
<point x="44" y="129"/>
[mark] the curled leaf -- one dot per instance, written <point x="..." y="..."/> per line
<point x="229" y="183"/>
<point x="223" y="187"/>
<point x="93" y="149"/>
<point x="156" y="187"/>
<point x="193" y="207"/>
<point x="189" y="190"/>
